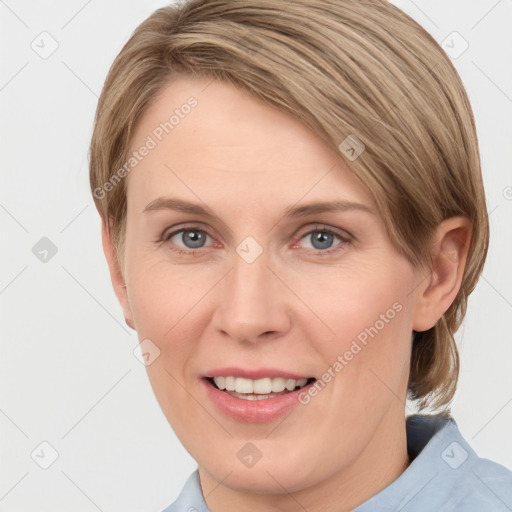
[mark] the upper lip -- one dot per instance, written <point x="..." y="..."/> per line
<point x="253" y="373"/>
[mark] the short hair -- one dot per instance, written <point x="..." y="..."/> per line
<point x="356" y="70"/>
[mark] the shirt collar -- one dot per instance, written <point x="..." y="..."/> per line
<point x="436" y="449"/>
<point x="439" y="457"/>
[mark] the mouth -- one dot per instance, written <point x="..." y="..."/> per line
<point x="255" y="395"/>
<point x="257" y="389"/>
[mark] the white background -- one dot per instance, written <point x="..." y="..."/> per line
<point x="68" y="373"/>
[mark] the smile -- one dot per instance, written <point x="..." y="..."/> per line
<point x="259" y="400"/>
<point x="258" y="389"/>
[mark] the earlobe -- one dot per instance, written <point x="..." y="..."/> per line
<point x="450" y="245"/>
<point x="116" y="275"/>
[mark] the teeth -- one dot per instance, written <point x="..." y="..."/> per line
<point x="243" y="385"/>
<point x="221" y="382"/>
<point x="278" y="384"/>
<point x="259" y="386"/>
<point x="229" y="383"/>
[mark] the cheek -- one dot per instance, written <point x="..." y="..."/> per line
<point x="367" y="321"/>
<point x="358" y="301"/>
<point x="162" y="297"/>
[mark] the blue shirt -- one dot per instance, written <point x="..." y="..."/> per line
<point x="445" y="475"/>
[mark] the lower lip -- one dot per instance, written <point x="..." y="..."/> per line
<point x="253" y="411"/>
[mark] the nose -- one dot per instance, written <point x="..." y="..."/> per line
<point x="252" y="302"/>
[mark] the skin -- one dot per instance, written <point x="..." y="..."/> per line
<point x="293" y="308"/>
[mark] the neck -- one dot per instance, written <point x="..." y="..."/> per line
<point x="381" y="462"/>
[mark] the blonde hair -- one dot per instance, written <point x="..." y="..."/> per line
<point x="361" y="69"/>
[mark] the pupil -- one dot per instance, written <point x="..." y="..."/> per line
<point x="325" y="239"/>
<point x="194" y="237"/>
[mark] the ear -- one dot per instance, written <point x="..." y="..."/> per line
<point x="116" y="274"/>
<point x="449" y="249"/>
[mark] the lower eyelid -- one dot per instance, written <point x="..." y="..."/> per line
<point x="343" y="239"/>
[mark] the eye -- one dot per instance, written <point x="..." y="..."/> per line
<point x="322" y="238"/>
<point x="187" y="240"/>
<point x="191" y="237"/>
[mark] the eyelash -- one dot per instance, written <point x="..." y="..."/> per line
<point x="317" y="229"/>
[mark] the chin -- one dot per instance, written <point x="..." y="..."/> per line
<point x="269" y="475"/>
<point x="264" y="480"/>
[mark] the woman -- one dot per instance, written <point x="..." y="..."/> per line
<point x="294" y="217"/>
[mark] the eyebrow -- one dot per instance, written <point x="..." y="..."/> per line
<point x="171" y="203"/>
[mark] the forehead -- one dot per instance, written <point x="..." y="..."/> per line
<point x="208" y="139"/>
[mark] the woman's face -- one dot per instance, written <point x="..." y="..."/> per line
<point x="265" y="286"/>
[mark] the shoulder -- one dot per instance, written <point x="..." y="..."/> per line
<point x="190" y="498"/>
<point x="463" y="480"/>
<point x="483" y="485"/>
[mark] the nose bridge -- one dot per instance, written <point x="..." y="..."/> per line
<point x="252" y="302"/>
